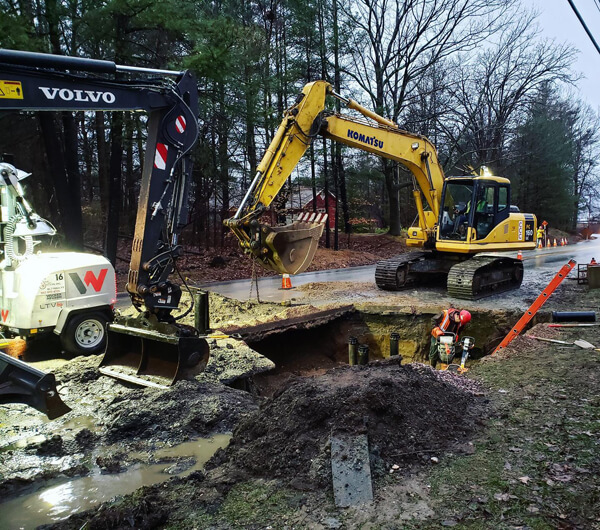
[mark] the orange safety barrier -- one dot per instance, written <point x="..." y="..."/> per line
<point x="539" y="302"/>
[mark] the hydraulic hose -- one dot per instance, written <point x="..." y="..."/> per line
<point x="10" y="250"/>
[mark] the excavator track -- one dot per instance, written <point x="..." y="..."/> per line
<point x="484" y="275"/>
<point x="394" y="274"/>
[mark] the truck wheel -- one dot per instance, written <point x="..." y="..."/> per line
<point x="85" y="334"/>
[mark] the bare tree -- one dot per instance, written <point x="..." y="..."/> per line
<point x="492" y="89"/>
<point x="396" y="42"/>
<point x="586" y="140"/>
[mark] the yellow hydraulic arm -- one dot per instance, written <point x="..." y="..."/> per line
<point x="290" y="249"/>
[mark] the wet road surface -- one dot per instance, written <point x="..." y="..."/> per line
<point x="546" y="259"/>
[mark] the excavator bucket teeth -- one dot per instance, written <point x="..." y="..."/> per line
<point x="151" y="358"/>
<point x="21" y="383"/>
<point x="289" y="249"/>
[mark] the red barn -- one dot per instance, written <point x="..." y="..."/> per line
<point x="306" y="203"/>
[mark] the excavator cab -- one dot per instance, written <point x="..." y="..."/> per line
<point x="473" y="207"/>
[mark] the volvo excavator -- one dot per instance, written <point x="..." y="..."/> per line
<point x="151" y="349"/>
<point x="459" y="218"/>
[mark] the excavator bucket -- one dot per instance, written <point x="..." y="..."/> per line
<point x="21" y="383"/>
<point x="289" y="249"/>
<point x="149" y="357"/>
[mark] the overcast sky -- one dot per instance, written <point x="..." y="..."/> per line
<point x="558" y="21"/>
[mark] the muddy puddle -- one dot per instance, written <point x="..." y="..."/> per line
<point x="61" y="499"/>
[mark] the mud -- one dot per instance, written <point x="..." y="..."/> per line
<point x="120" y="418"/>
<point x="406" y="411"/>
<point x="410" y="413"/>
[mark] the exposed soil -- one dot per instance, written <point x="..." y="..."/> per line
<point x="441" y="456"/>
<point x="118" y="417"/>
<point x="396" y="406"/>
<point x="439" y="443"/>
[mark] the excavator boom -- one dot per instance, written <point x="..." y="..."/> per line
<point x="154" y="348"/>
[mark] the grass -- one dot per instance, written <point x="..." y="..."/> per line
<point x="536" y="462"/>
<point x="255" y="502"/>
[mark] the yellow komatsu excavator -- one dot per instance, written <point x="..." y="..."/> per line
<point x="458" y="217"/>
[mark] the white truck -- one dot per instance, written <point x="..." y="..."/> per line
<point x="69" y="293"/>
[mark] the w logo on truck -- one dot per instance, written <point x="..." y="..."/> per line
<point x="89" y="279"/>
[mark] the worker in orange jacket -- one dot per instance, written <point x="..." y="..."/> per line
<point x="448" y="321"/>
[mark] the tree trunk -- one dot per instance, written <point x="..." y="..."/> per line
<point x="334" y="171"/>
<point x="222" y="131"/>
<point x="88" y="182"/>
<point x="103" y="159"/>
<point x="391" y="186"/>
<point x="71" y="223"/>
<point x="326" y="194"/>
<point x="129" y="195"/>
<point x="339" y="164"/>
<point x="74" y="179"/>
<point x="114" y="195"/>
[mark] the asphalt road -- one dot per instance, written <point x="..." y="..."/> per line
<point x="270" y="287"/>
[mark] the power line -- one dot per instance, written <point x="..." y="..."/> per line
<point x="584" y="26"/>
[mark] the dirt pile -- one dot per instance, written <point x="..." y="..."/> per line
<point x="405" y="411"/>
<point x="187" y="410"/>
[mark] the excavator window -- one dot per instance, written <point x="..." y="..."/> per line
<point x="458" y="205"/>
<point x="484" y="212"/>
<point x="502" y="198"/>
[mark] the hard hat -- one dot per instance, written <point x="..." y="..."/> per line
<point x="465" y="317"/>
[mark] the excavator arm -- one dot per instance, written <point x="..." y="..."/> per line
<point x="290" y="249"/>
<point x="153" y="344"/>
<point x="43" y="82"/>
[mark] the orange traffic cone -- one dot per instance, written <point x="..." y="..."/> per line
<point x="555" y="242"/>
<point x="286" y="283"/>
<point x="519" y="255"/>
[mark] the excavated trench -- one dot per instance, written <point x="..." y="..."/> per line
<point x="145" y="421"/>
<point x="309" y="352"/>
